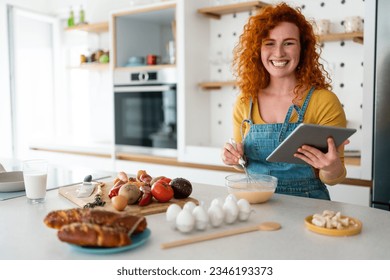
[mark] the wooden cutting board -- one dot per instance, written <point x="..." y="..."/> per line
<point x="155" y="207"/>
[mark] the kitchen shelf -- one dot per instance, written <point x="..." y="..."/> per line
<point x="145" y="67"/>
<point x="92" y="66"/>
<point x="216" y="85"/>
<point x="90" y="27"/>
<point x="355" y="36"/>
<point x="217" y="11"/>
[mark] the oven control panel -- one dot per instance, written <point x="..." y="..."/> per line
<point x="144" y="76"/>
<point x="161" y="76"/>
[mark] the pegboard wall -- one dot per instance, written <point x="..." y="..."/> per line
<point x="342" y="59"/>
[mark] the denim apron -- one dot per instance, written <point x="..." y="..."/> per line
<point x="262" y="140"/>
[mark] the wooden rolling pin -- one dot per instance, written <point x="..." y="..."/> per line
<point x="267" y="226"/>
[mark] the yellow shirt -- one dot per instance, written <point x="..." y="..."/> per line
<point x="324" y="108"/>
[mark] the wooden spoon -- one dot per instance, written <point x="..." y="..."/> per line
<point x="266" y="226"/>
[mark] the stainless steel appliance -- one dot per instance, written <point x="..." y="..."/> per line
<point x="379" y="42"/>
<point x="145" y="111"/>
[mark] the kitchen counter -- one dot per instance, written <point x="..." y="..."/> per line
<point x="106" y="151"/>
<point x="24" y="235"/>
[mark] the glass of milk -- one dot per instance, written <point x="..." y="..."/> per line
<point x="35" y="180"/>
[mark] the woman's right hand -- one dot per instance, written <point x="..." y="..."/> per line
<point x="230" y="155"/>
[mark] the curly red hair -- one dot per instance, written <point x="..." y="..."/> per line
<point x="249" y="70"/>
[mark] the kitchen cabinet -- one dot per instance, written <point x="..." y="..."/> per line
<point x="143" y="30"/>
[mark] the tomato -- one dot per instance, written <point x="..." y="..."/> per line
<point x="162" y="191"/>
<point x="166" y="180"/>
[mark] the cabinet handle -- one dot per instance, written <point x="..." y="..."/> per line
<point x="143" y="88"/>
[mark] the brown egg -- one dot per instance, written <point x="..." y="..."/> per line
<point x="119" y="202"/>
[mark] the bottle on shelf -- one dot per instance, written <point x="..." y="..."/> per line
<point x="81" y="15"/>
<point x="71" y="18"/>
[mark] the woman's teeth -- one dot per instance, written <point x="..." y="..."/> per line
<point x="279" y="63"/>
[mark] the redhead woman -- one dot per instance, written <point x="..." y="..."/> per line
<point x="282" y="84"/>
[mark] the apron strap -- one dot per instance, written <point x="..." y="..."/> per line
<point x="248" y="119"/>
<point x="301" y="113"/>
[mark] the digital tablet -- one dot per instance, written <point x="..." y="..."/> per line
<point x="308" y="134"/>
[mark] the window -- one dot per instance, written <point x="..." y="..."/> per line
<point x="32" y="41"/>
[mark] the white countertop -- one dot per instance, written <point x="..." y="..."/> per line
<point x="24" y="235"/>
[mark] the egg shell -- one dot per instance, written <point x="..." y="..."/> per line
<point x="244" y="209"/>
<point x="216" y="215"/>
<point x="171" y="214"/>
<point x="243" y="216"/>
<point x="216" y="201"/>
<point x="190" y="205"/>
<point x="231" y="211"/>
<point x="201" y="218"/>
<point x="185" y="221"/>
<point x="231" y="197"/>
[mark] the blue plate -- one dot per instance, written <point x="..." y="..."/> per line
<point x="137" y="240"/>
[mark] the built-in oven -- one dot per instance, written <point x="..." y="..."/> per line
<point x="145" y="111"/>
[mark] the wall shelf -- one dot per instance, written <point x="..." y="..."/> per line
<point x="90" y="27"/>
<point x="92" y="66"/>
<point x="217" y="11"/>
<point x="355" y="36"/>
<point x="216" y="85"/>
<point x="145" y="67"/>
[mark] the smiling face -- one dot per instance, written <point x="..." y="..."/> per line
<point x="280" y="52"/>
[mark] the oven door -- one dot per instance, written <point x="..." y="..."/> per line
<point x="145" y="116"/>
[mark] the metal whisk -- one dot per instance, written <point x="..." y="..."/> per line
<point x="242" y="162"/>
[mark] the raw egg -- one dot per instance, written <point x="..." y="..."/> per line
<point x="171" y="214"/>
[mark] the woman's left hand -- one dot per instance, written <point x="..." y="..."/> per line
<point x="329" y="163"/>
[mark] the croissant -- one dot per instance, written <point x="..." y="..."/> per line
<point x="130" y="223"/>
<point x="86" y="234"/>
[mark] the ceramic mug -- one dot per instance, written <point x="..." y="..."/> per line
<point x="322" y="27"/>
<point x="151" y="59"/>
<point x="353" y="24"/>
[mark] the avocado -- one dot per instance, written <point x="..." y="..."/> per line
<point x="182" y="188"/>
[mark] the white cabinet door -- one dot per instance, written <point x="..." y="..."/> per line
<point x="350" y="194"/>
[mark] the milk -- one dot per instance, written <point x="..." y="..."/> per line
<point x="35" y="184"/>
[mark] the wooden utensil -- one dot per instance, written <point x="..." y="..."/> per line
<point x="267" y="226"/>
